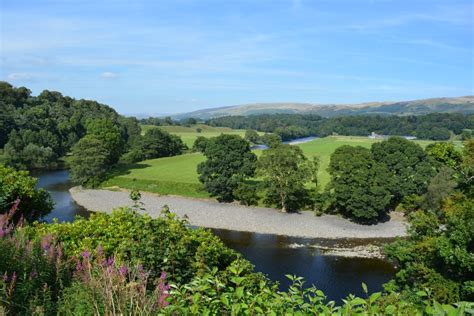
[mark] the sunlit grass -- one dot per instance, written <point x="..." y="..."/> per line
<point x="189" y="134"/>
<point x="178" y="176"/>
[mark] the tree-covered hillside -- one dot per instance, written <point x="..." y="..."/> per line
<point x="36" y="131"/>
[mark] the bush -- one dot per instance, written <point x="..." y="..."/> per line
<point x="161" y="244"/>
<point x="19" y="185"/>
<point x="438" y="253"/>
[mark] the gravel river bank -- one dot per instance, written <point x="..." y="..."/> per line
<point x="232" y="216"/>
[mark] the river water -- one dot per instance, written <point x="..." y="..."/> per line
<point x="273" y="255"/>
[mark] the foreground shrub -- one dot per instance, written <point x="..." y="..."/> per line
<point x="33" y="272"/>
<point x="232" y="294"/>
<point x="161" y="244"/>
<point x="104" y="286"/>
<point x="438" y="255"/>
<point x="19" y="185"/>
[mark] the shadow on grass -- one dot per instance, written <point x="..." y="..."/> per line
<point x="124" y="169"/>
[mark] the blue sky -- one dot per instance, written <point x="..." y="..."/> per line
<point x="176" y="56"/>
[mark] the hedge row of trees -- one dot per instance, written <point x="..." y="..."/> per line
<point x="289" y="126"/>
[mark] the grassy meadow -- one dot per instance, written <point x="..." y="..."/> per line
<point x="189" y="134"/>
<point x="177" y="175"/>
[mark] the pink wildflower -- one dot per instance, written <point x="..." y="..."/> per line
<point x="123" y="270"/>
<point x="86" y="254"/>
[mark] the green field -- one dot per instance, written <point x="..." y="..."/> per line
<point x="178" y="176"/>
<point x="189" y="134"/>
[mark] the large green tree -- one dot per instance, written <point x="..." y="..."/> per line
<point x="155" y="144"/>
<point x="359" y="186"/>
<point x="89" y="161"/>
<point x="407" y="163"/>
<point x="110" y="135"/>
<point x="285" y="171"/>
<point x="229" y="162"/>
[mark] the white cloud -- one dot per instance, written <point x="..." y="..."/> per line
<point x="20" y="76"/>
<point x="109" y="75"/>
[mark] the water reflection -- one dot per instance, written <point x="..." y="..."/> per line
<point x="336" y="276"/>
<point x="57" y="182"/>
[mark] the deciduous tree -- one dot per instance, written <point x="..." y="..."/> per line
<point x="359" y="186"/>
<point x="407" y="163"/>
<point x="285" y="171"/>
<point x="229" y="162"/>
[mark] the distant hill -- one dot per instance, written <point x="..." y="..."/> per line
<point x="424" y="106"/>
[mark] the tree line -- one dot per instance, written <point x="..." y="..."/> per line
<point x="438" y="126"/>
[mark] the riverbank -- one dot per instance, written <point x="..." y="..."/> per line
<point x="232" y="216"/>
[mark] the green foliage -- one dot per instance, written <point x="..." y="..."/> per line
<point x="252" y="136"/>
<point x="89" y="161"/>
<point x="132" y="130"/>
<point x="28" y="149"/>
<point x="200" y="144"/>
<point x="229" y="162"/>
<point x="38" y="131"/>
<point x="466" y="181"/>
<point x="43" y="129"/>
<point x="466" y="134"/>
<point x="440" y="187"/>
<point x="235" y="294"/>
<point x="18" y="184"/>
<point x="155" y="144"/>
<point x="438" y="253"/>
<point x="271" y="140"/>
<point x="407" y="163"/>
<point x="109" y="134"/>
<point x="10" y="99"/>
<point x="246" y="193"/>
<point x="359" y="186"/>
<point x="162" y="244"/>
<point x="431" y="126"/>
<point x="285" y="171"/>
<point x="445" y="153"/>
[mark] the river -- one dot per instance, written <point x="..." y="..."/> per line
<point x="273" y="255"/>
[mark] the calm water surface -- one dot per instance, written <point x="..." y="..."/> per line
<point x="271" y="254"/>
